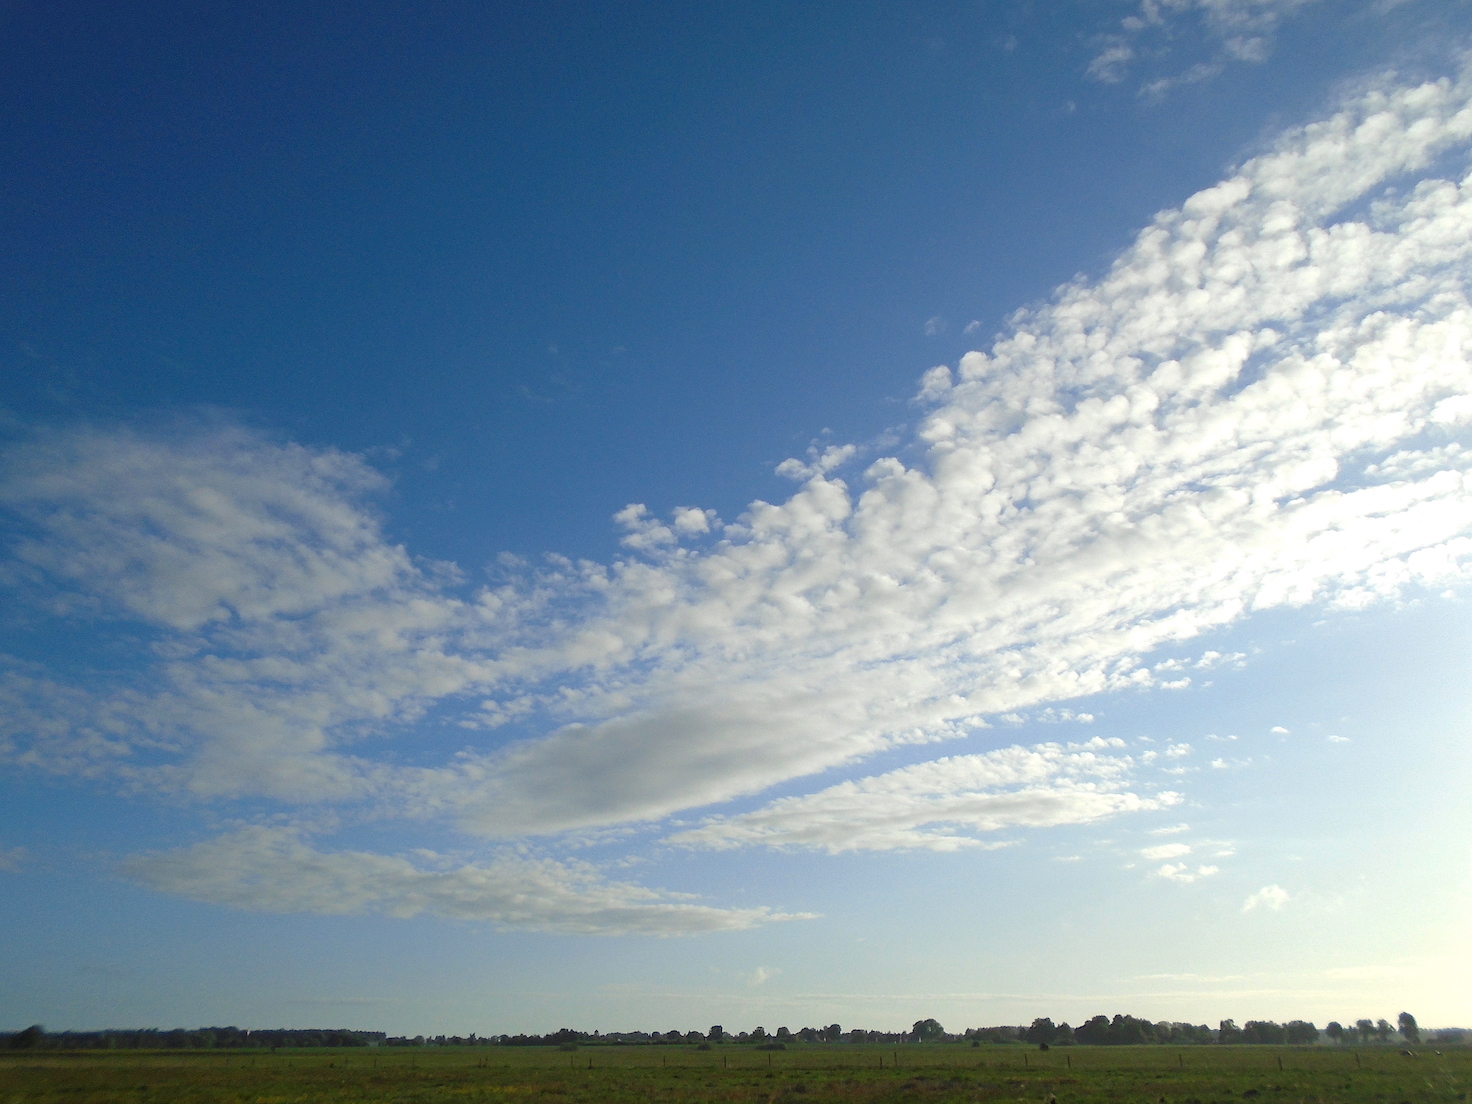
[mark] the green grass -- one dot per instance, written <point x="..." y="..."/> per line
<point x="682" y="1075"/>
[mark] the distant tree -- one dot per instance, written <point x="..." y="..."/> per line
<point x="1301" y="1032"/>
<point x="833" y="1033"/>
<point x="1062" y="1034"/>
<point x="759" y="1034"/>
<point x="784" y="1035"/>
<point x="1383" y="1030"/>
<point x="1335" y="1031"/>
<point x="28" y="1039"/>
<point x="1128" y="1031"/>
<point x="1365" y="1029"/>
<point x="1264" y="1032"/>
<point x="717" y="1033"/>
<point x="1228" y="1032"/>
<point x="1408" y="1029"/>
<point x="1042" y="1031"/>
<point x="927" y="1031"/>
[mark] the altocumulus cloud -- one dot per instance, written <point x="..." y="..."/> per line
<point x="1260" y="404"/>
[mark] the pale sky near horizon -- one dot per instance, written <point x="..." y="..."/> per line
<point x="638" y="518"/>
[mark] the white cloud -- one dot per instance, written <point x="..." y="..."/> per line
<point x="938" y="805"/>
<point x="761" y="975"/>
<point x="1181" y="872"/>
<point x="272" y="870"/>
<point x="1278" y="730"/>
<point x="1170" y="830"/>
<point x="1337" y="739"/>
<point x="1251" y="409"/>
<point x="1269" y="897"/>
<point x="1166" y="851"/>
<point x="934" y="326"/>
<point x="12" y="858"/>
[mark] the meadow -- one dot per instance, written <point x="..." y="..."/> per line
<point x="684" y="1075"/>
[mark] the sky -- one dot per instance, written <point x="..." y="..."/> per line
<point x="633" y="517"/>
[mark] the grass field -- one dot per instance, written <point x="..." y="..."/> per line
<point x="683" y="1075"/>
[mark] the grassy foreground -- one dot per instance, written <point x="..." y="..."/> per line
<point x="682" y="1075"/>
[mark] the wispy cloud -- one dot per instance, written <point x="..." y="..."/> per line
<point x="938" y="806"/>
<point x="761" y="975"/>
<point x="1271" y="897"/>
<point x="1240" y="30"/>
<point x="273" y="870"/>
<point x="1166" y="851"/>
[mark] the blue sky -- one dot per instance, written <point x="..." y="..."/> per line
<point x="560" y="516"/>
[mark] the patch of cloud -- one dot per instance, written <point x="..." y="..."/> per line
<point x="1237" y="31"/>
<point x="271" y="869"/>
<point x="1170" y="830"/>
<point x="939" y="805"/>
<point x="1066" y="716"/>
<point x="1278" y="730"/>
<point x="819" y="463"/>
<point x="1272" y="897"/>
<point x="1201" y="71"/>
<point x="1098" y="743"/>
<point x="1337" y="739"/>
<point x="935" y="384"/>
<point x="935" y="326"/>
<point x="1244" y="413"/>
<point x="1181" y="872"/>
<point x="761" y="975"/>
<point x="1166" y="851"/>
<point x="12" y="858"/>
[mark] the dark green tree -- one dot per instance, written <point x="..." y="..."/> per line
<point x="28" y="1039"/>
<point x="927" y="1031"/>
<point x="1301" y="1032"/>
<point x="1042" y="1031"/>
<point x="1335" y="1031"/>
<point x="1408" y="1029"/>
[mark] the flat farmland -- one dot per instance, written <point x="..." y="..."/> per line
<point x="683" y="1075"/>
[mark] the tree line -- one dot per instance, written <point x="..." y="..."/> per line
<point x="1101" y="1030"/>
<point x="36" y="1037"/>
